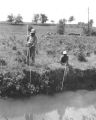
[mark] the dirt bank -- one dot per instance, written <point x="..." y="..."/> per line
<point x="46" y="75"/>
<point x="18" y="82"/>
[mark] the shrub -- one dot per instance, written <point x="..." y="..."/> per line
<point x="60" y="27"/>
<point x="18" y="53"/>
<point x="89" y="31"/>
<point x="3" y="62"/>
<point x="95" y="52"/>
<point x="14" y="48"/>
<point x="81" y="54"/>
<point x="21" y="59"/>
<point x="81" y="57"/>
<point x="29" y="28"/>
<point x="86" y="30"/>
<point x="51" y="52"/>
<point x="88" y="54"/>
<point x="93" y="33"/>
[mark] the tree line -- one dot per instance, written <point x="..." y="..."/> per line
<point x="38" y="18"/>
<point x="87" y="27"/>
<point x="15" y="19"/>
<point x="42" y="18"/>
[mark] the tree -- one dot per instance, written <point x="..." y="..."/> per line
<point x="30" y="27"/>
<point x="18" y="19"/>
<point x="36" y="18"/>
<point x="43" y="18"/>
<point x="52" y="21"/>
<point x="91" y="22"/>
<point x="10" y="18"/>
<point x="61" y="26"/>
<point x="71" y="18"/>
<point x="64" y="21"/>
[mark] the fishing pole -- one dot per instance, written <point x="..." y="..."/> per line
<point x="29" y="66"/>
<point x="28" y="59"/>
<point x="27" y="48"/>
<point x="64" y="74"/>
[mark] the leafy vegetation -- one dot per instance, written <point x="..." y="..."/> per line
<point x="61" y="26"/>
<point x="47" y="73"/>
<point x="15" y="20"/>
<point x="71" y="18"/>
<point x="40" y="18"/>
<point x="14" y="84"/>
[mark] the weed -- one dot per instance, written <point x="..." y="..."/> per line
<point x="51" y="52"/>
<point x="2" y="62"/>
<point x="95" y="52"/>
<point x="14" y="48"/>
<point x="21" y="59"/>
<point x="88" y="54"/>
<point x="81" y="54"/>
<point x="93" y="33"/>
<point x="81" y="57"/>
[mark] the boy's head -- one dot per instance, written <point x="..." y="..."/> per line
<point x="64" y="52"/>
<point x="32" y="33"/>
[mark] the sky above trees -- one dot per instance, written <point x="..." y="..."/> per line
<point x="54" y="9"/>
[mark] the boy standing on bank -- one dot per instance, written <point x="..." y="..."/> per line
<point x="31" y="43"/>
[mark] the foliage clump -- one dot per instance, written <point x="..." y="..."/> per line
<point x="81" y="55"/>
<point x="88" y="29"/>
<point x="2" y="62"/>
<point x="61" y="27"/>
<point x="18" y="83"/>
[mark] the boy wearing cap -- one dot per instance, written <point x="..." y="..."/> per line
<point x="31" y="43"/>
<point x="64" y="58"/>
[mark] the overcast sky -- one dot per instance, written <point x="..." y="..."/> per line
<point x="54" y="9"/>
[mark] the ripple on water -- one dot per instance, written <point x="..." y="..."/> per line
<point x="79" y="104"/>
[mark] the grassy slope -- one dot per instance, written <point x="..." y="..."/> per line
<point x="14" y="73"/>
<point x="50" y="46"/>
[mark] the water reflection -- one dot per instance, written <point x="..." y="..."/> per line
<point x="65" y="106"/>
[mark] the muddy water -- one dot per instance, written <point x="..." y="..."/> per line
<point x="62" y="106"/>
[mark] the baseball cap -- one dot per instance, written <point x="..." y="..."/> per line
<point x="33" y="31"/>
<point x="64" y="52"/>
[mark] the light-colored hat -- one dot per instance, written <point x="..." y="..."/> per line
<point x="33" y="31"/>
<point x="64" y="52"/>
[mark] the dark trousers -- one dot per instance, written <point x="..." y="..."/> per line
<point x="31" y="55"/>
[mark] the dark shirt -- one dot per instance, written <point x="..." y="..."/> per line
<point x="64" y="59"/>
<point x="31" y="41"/>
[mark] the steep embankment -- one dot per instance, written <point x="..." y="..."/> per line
<point x="19" y="83"/>
<point x="47" y="74"/>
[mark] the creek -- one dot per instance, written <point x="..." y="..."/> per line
<point x="67" y="104"/>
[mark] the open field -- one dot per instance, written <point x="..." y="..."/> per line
<point x="47" y="70"/>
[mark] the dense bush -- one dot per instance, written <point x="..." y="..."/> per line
<point x="88" y="54"/>
<point x="14" y="48"/>
<point x="2" y="62"/>
<point x="93" y="32"/>
<point x="61" y="27"/>
<point x="89" y="31"/>
<point x="81" y="53"/>
<point x="30" y="28"/>
<point x="81" y="57"/>
<point x="18" y="83"/>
